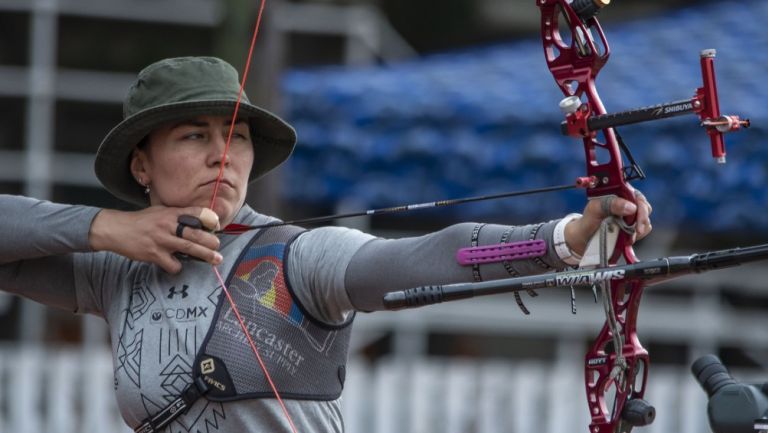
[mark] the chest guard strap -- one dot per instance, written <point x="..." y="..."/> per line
<point x="193" y="392"/>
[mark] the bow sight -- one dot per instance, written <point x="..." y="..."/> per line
<point x="581" y="123"/>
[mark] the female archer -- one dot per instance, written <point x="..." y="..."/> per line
<point x="183" y="336"/>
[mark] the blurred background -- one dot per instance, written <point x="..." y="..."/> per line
<point x="399" y="101"/>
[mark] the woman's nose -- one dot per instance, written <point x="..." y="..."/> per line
<point x="219" y="149"/>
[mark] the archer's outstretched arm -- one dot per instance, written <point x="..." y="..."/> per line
<point x="385" y="265"/>
<point x="334" y="270"/>
<point x="382" y="265"/>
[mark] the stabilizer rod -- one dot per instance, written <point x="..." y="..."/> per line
<point x="652" y="271"/>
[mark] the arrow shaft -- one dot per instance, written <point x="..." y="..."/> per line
<point x="237" y="229"/>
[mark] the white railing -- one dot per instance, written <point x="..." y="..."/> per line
<point x="57" y="391"/>
<point x="45" y="390"/>
<point x="500" y="397"/>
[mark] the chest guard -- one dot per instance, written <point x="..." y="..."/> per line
<point x="306" y="358"/>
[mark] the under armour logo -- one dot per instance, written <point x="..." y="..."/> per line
<point x="172" y="292"/>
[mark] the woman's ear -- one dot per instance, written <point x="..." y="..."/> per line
<point x="139" y="167"/>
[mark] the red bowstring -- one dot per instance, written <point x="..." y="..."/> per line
<point x="213" y="202"/>
<point x="255" y="350"/>
<point x="237" y="104"/>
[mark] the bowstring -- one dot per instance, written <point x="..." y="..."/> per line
<point x="216" y="186"/>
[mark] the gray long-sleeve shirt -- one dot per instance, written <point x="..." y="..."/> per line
<point x="157" y="321"/>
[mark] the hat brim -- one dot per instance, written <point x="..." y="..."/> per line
<point x="273" y="142"/>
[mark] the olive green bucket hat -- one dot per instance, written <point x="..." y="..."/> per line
<point x="179" y="89"/>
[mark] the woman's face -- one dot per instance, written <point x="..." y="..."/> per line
<point x="181" y="162"/>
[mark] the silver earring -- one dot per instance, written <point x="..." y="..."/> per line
<point x="146" y="187"/>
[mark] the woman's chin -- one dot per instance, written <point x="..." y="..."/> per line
<point x="225" y="209"/>
<point x="226" y="205"/>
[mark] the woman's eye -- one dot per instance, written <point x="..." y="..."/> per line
<point x="193" y="136"/>
<point x="240" y="136"/>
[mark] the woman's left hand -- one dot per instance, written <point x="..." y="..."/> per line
<point x="579" y="231"/>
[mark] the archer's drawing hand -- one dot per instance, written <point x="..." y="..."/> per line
<point x="579" y="231"/>
<point x="150" y="235"/>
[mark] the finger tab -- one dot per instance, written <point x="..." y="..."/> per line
<point x="190" y="221"/>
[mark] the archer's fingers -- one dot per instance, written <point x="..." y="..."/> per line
<point x="644" y="210"/>
<point x="168" y="263"/>
<point x="616" y="206"/>
<point x="172" y="266"/>
<point x="200" y="237"/>
<point x="192" y="249"/>
<point x="621" y="207"/>
<point x="642" y="200"/>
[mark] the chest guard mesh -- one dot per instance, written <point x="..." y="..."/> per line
<point x="306" y="358"/>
